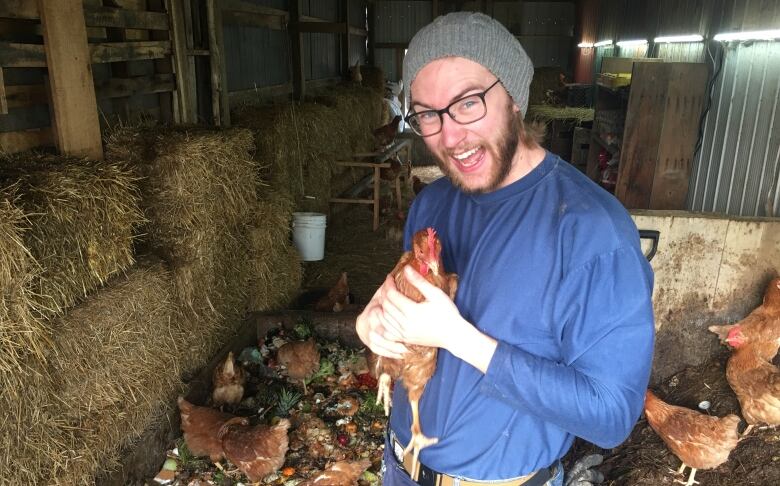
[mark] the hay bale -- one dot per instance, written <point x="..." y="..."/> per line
<point x="195" y="183"/>
<point x="83" y="216"/>
<point x="545" y="78"/>
<point x="299" y="142"/>
<point x="373" y="78"/>
<point x="275" y="266"/>
<point x="116" y="367"/>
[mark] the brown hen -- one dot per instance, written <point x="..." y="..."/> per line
<point x="228" y="382"/>
<point x="700" y="441"/>
<point x="756" y="382"/>
<point x="257" y="450"/>
<point x="385" y="135"/>
<point x="761" y="328"/>
<point x="342" y="473"/>
<point x="419" y="364"/>
<point x="337" y="298"/>
<point x="300" y="358"/>
<point x="200" y="427"/>
<point x="417" y="185"/>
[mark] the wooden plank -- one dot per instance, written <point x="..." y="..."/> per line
<point x="642" y="134"/>
<point x="22" y="96"/>
<point x="19" y="9"/>
<point x="345" y="43"/>
<point x="13" y="54"/>
<point x="219" y="97"/>
<point x="246" y="6"/>
<point x="684" y="104"/>
<point x="391" y="45"/>
<point x="119" y="87"/>
<point x="273" y="22"/>
<point x="3" y="100"/>
<point x="349" y="201"/>
<point x="72" y="90"/>
<point x="296" y="50"/>
<point x="183" y="66"/>
<point x="129" y="51"/>
<point x="323" y="27"/>
<point x="125" y="19"/>
<point x="19" y="141"/>
<point x="163" y="67"/>
<point x="357" y="31"/>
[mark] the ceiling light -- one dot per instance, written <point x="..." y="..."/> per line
<point x="585" y="44"/>
<point x="632" y="43"/>
<point x="743" y="36"/>
<point x="679" y="38"/>
<point x="603" y="43"/>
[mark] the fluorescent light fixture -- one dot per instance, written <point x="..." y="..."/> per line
<point x="585" y="45"/>
<point x="678" y="38"/>
<point x="603" y="43"/>
<point x="632" y="43"/>
<point x="743" y="36"/>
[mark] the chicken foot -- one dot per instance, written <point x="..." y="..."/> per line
<point x="418" y="440"/>
<point x="690" y="481"/>
<point x="383" y="392"/>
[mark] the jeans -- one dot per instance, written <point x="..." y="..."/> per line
<point x="394" y="474"/>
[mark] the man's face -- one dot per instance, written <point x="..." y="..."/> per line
<point x="477" y="157"/>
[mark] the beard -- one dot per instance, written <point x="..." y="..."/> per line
<point x="501" y="153"/>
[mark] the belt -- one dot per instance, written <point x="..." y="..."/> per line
<point x="429" y="477"/>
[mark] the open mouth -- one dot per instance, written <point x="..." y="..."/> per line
<point x="469" y="160"/>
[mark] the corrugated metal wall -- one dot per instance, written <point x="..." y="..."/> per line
<point x="397" y="22"/>
<point x="546" y="33"/>
<point x="738" y="165"/>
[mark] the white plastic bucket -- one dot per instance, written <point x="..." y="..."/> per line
<point x="309" y="235"/>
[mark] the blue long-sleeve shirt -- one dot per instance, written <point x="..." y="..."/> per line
<point x="551" y="267"/>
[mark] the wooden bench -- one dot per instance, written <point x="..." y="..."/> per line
<point x="376" y="161"/>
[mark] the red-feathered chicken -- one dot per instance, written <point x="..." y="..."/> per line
<point x="200" y="427"/>
<point x="228" y="382"/>
<point x="342" y="473"/>
<point x="337" y="298"/>
<point x="419" y="363"/>
<point x="257" y="450"/>
<point x="700" y="441"/>
<point x="301" y="359"/>
<point x="761" y="328"/>
<point x="385" y="135"/>
<point x="756" y="382"/>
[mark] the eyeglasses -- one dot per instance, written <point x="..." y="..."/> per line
<point x="462" y="111"/>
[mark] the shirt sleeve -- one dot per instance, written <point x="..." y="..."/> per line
<point x="603" y="313"/>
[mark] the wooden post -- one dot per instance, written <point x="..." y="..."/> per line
<point x="72" y="88"/>
<point x="296" y="43"/>
<point x="184" y="65"/>
<point x="345" y="61"/>
<point x="219" y="94"/>
<point x="3" y="102"/>
<point x="434" y="9"/>
<point x="377" y="181"/>
<point x="371" y="35"/>
<point x="162" y="66"/>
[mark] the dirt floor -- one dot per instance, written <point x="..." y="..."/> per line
<point x="643" y="459"/>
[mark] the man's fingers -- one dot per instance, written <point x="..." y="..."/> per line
<point x="384" y="347"/>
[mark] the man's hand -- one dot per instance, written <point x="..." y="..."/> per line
<point x="371" y="328"/>
<point x="583" y="474"/>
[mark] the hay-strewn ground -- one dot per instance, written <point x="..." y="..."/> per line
<point x="643" y="459"/>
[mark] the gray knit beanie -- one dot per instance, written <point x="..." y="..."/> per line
<point x="477" y="37"/>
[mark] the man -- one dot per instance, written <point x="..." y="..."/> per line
<point x="551" y="332"/>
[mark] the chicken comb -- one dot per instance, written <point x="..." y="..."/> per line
<point x="431" y="241"/>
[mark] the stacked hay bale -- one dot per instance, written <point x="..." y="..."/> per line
<point x="117" y="368"/>
<point x="67" y="227"/>
<point x="298" y="143"/>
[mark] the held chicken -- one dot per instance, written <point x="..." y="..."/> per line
<point x="200" y="427"/>
<point x="700" y="441"/>
<point x="756" y="382"/>
<point x="761" y="328"/>
<point x="300" y="358"/>
<point x="419" y="363"/>
<point x="257" y="450"/>
<point x="228" y="382"/>
<point x="385" y="135"/>
<point x="342" y="473"/>
<point x="337" y="298"/>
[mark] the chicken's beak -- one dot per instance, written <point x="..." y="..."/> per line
<point x="434" y="266"/>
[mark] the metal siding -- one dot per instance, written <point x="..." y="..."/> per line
<point x="547" y="51"/>
<point x="510" y="14"/>
<point x="357" y="49"/>
<point x="682" y="52"/>
<point x="632" y="52"/>
<point x="385" y="59"/>
<point x="737" y="167"/>
<point x="325" y="56"/>
<point x="547" y="18"/>
<point x="611" y="13"/>
<point x="256" y="57"/>
<point x="325" y="9"/>
<point x="399" y="21"/>
<point x="357" y="14"/>
<point x="682" y="17"/>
